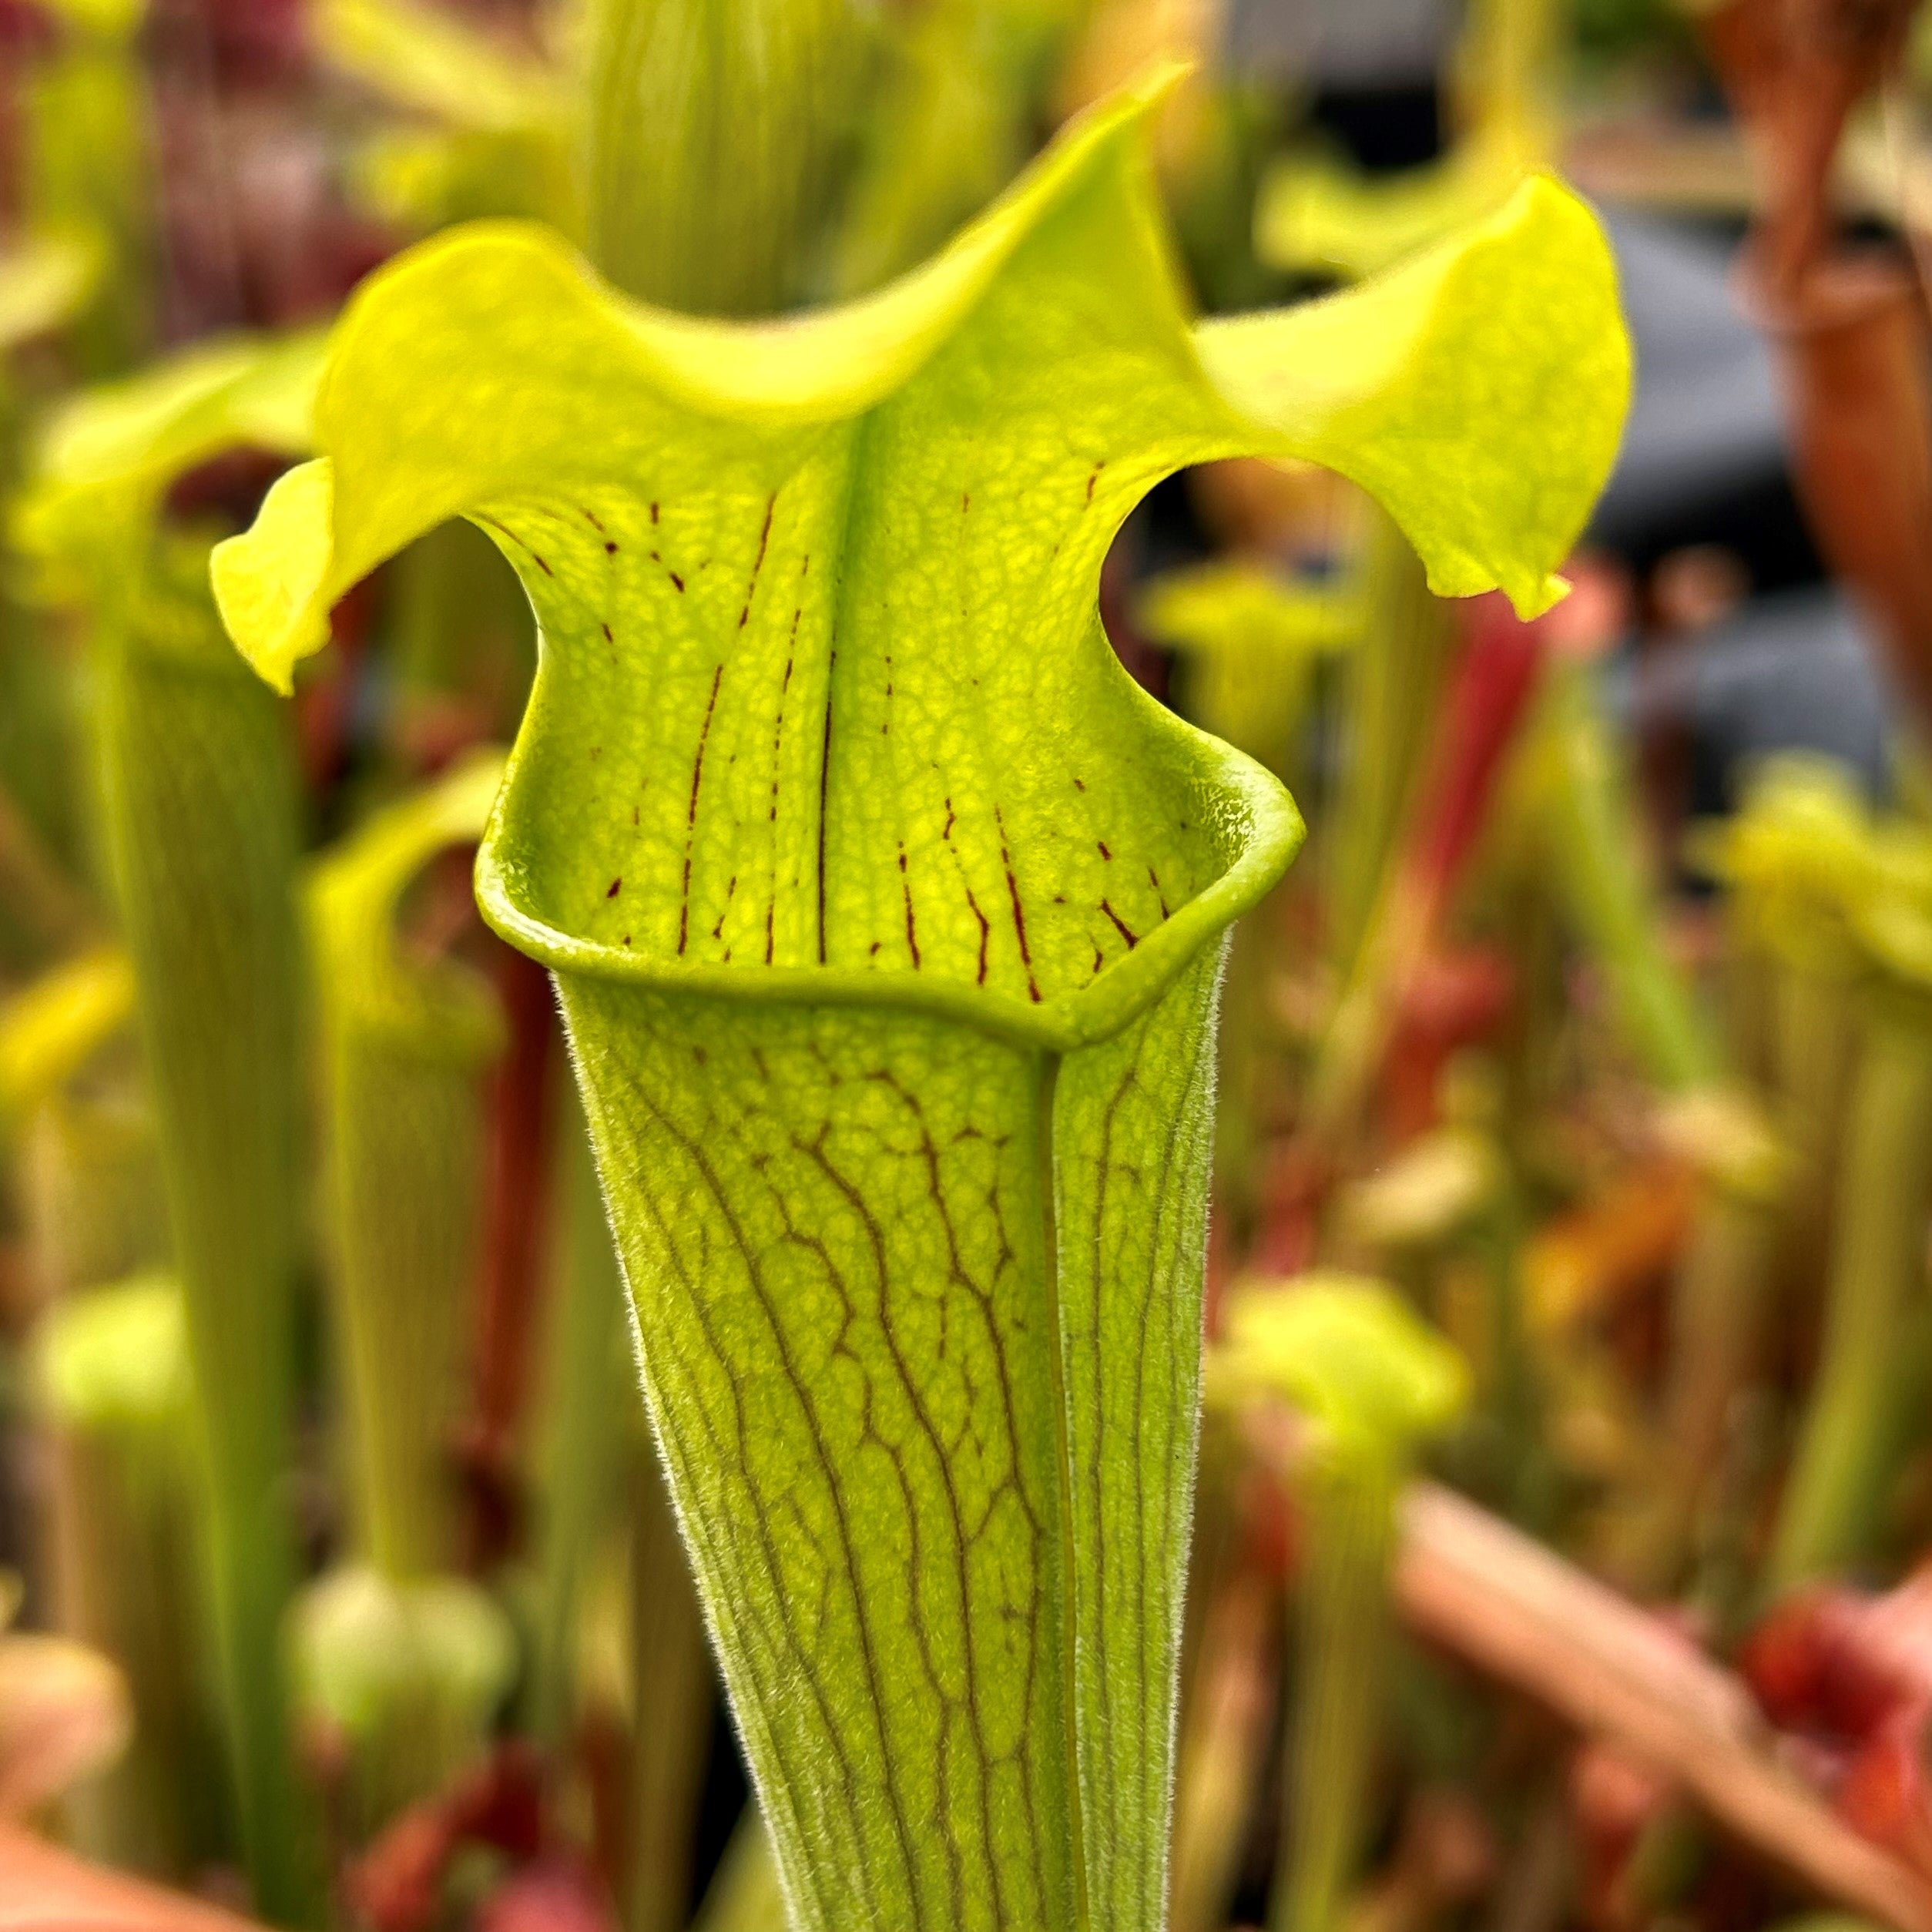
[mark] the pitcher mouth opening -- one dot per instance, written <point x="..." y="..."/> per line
<point x="1260" y="823"/>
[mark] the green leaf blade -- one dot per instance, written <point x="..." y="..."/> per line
<point x="1133" y="1129"/>
<point x="863" y="1443"/>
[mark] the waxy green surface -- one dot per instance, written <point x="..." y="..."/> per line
<point x="885" y="913"/>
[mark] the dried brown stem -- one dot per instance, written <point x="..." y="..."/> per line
<point x="1466" y="1581"/>
<point x="1469" y="1582"/>
<point x="1794" y="70"/>
<point x="1853" y="349"/>
<point x="1849" y="330"/>
<point x="44" y="1890"/>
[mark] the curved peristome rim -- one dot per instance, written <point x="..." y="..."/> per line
<point x="1268" y="839"/>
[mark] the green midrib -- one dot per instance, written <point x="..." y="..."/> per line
<point x="1063" y="1446"/>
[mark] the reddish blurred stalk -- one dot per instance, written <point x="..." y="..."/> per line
<point x="1500" y="1601"/>
<point x="43" y="1889"/>
<point x="1459" y="997"/>
<point x="1485" y="707"/>
<point x="1794" y="70"/>
<point x="397" y="1885"/>
<point x="1853" y="1673"/>
<point x="1506" y="1605"/>
<point x="522" y="1114"/>
<point x="1852" y="343"/>
<point x="1849" y="327"/>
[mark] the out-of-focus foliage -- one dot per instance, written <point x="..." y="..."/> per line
<point x="199" y="808"/>
<point x="47" y="1032"/>
<point x="404" y="1044"/>
<point x="489" y="131"/>
<point x="1349" y="1352"/>
<point x="1252" y="644"/>
<point x="1315" y="212"/>
<point x="43" y="282"/>
<point x="407" y="1675"/>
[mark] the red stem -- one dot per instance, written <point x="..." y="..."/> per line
<point x="522" y="1120"/>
